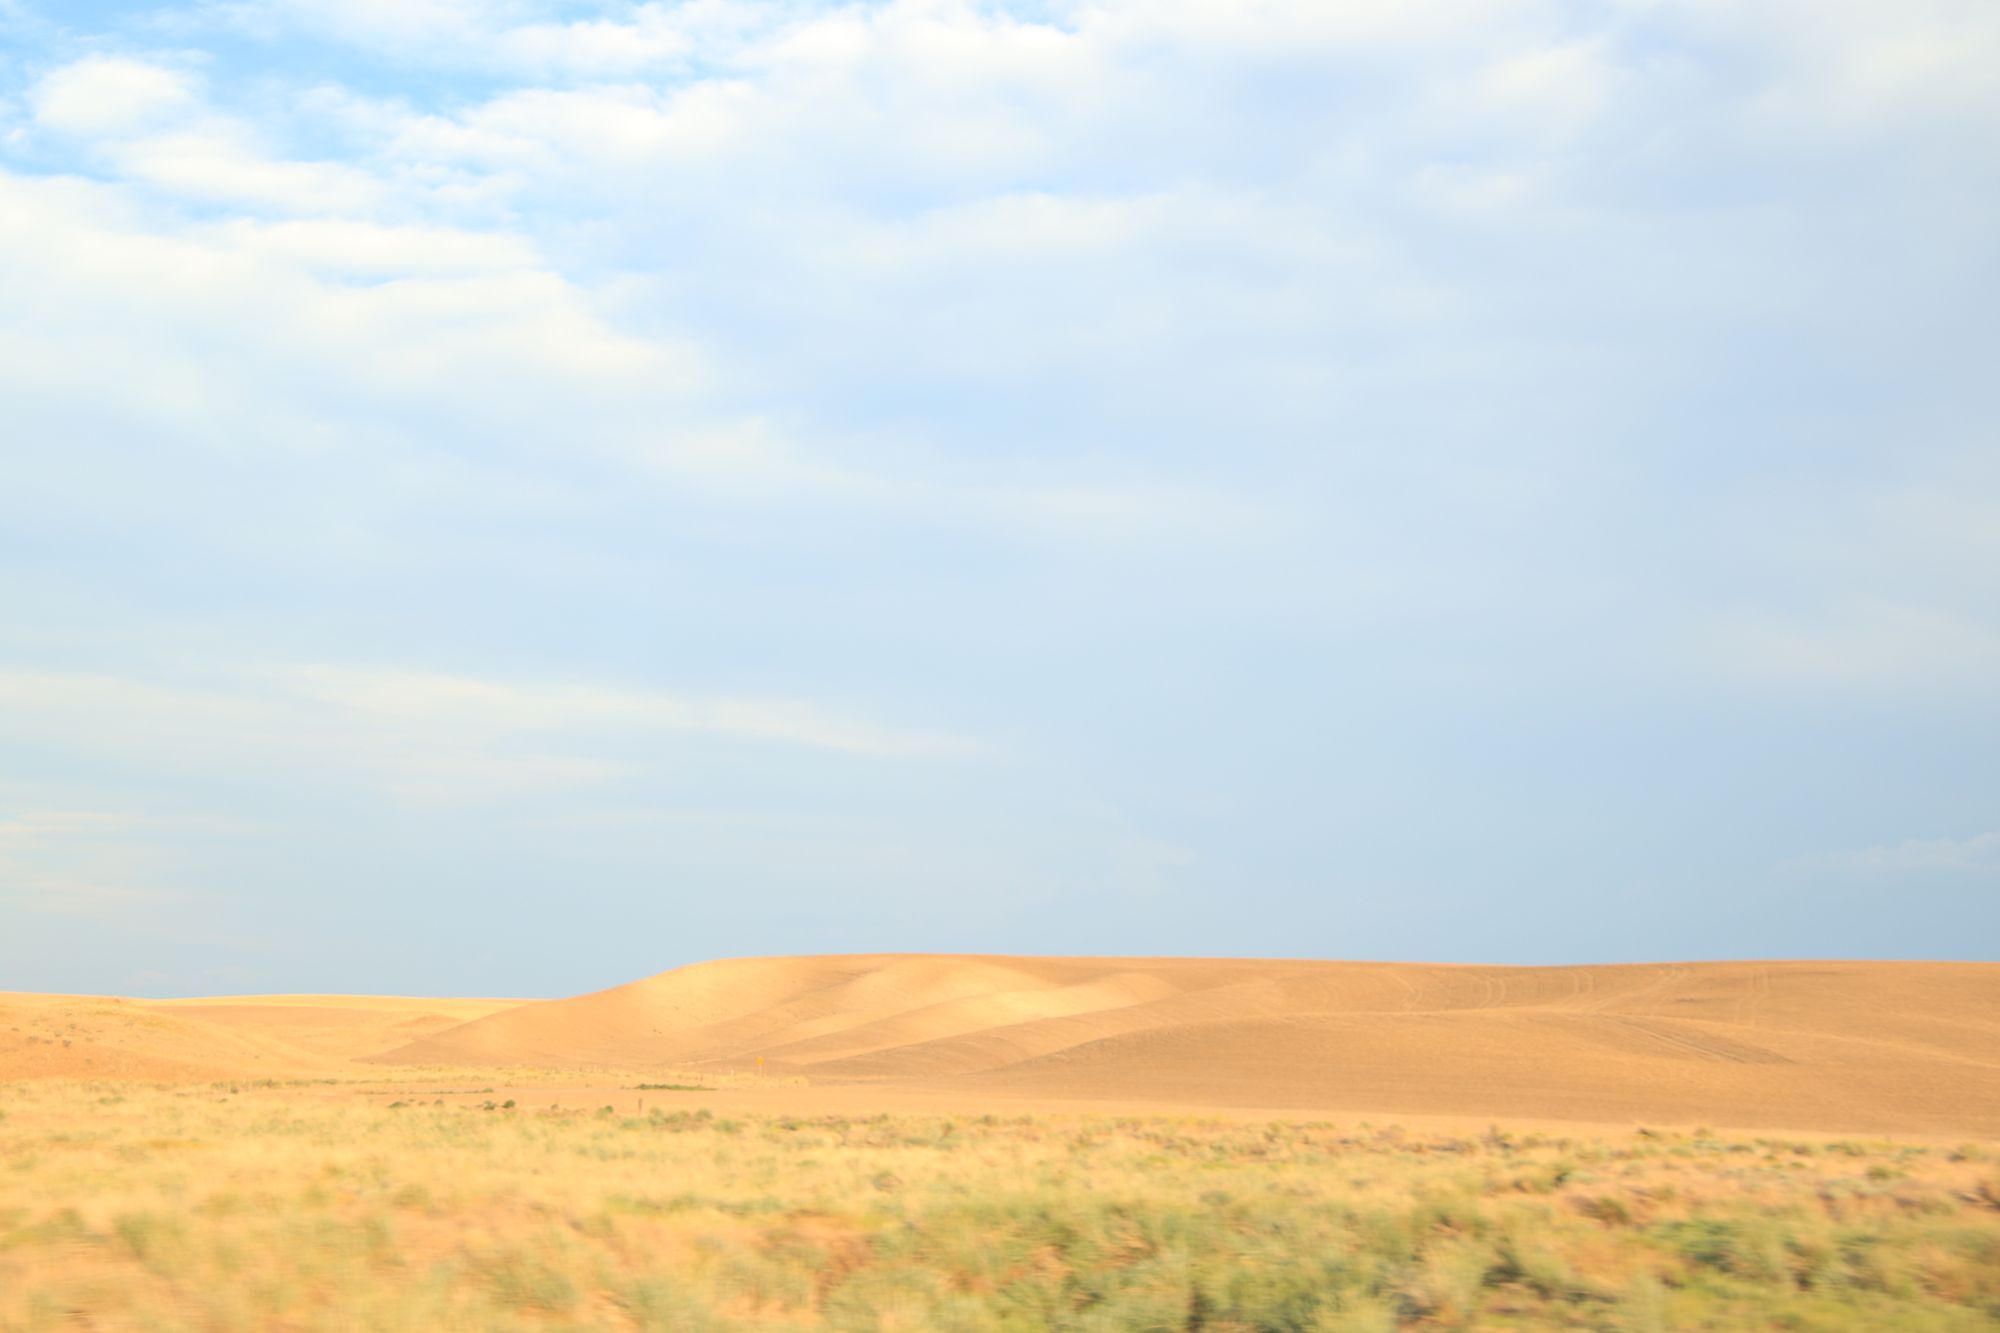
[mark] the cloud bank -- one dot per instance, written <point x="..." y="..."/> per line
<point x="879" y="464"/>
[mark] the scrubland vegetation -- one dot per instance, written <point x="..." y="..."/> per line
<point x="256" y="1207"/>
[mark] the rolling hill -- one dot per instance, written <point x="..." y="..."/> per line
<point x="1889" y="1047"/>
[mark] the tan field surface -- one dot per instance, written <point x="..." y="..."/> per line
<point x="1894" y="1048"/>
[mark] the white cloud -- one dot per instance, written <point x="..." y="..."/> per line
<point x="299" y="335"/>
<point x="1852" y="69"/>
<point x="479" y="706"/>
<point x="1863" y="645"/>
<point x="754" y="461"/>
<point x="1219" y="29"/>
<point x="251" y="330"/>
<point x="1978" y="854"/>
<point x="95" y="863"/>
<point x="1556" y="90"/>
<point x="216" y="163"/>
<point x="415" y="735"/>
<point x="21" y="828"/>
<point x="415" y="25"/>
<point x="982" y="246"/>
<point x="510" y="37"/>
<point x="946" y="92"/>
<point x="150" y="124"/>
<point x="650" y="38"/>
<point x="1011" y="228"/>
<point x="563" y="132"/>
<point x="1115" y="515"/>
<point x="360" y="247"/>
<point x="108" y="95"/>
<point x="750" y="458"/>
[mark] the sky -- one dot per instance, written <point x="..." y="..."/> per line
<point x="510" y="496"/>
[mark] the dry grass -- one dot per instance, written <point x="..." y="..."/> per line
<point x="312" y="1206"/>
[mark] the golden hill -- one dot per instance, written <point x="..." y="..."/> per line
<point x="255" y="1036"/>
<point x="1888" y="1047"/>
<point x="1841" y="1046"/>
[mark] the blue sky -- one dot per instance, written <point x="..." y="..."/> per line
<point x="508" y="496"/>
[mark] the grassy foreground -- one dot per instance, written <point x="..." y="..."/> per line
<point x="220" y="1207"/>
